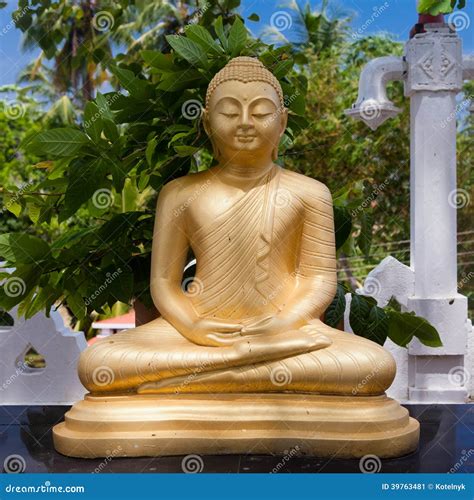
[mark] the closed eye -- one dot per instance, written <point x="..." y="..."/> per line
<point x="261" y="115"/>
<point x="230" y="115"/>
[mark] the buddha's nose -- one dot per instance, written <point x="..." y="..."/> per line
<point x="245" y="120"/>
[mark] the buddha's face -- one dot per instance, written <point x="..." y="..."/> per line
<point x="245" y="120"/>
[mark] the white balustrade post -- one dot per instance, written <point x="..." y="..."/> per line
<point x="434" y="77"/>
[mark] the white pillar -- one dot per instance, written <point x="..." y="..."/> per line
<point x="434" y="78"/>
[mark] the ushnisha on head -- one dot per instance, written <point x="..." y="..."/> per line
<point x="245" y="114"/>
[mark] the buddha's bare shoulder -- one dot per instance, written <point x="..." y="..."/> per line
<point x="310" y="190"/>
<point x="182" y="188"/>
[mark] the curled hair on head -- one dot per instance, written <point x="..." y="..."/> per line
<point x="244" y="69"/>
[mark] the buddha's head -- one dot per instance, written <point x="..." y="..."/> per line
<point x="245" y="115"/>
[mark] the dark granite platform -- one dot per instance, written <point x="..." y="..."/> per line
<point x="447" y="443"/>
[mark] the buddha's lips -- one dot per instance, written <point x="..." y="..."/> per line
<point x="245" y="137"/>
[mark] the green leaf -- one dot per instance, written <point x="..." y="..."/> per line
<point x="282" y="68"/>
<point x="70" y="237"/>
<point x="122" y="286"/>
<point x="150" y="149"/>
<point x="200" y="35"/>
<point x="394" y="304"/>
<point x="119" y="172"/>
<point x="335" y="312"/>
<point x="342" y="225"/>
<point x="85" y="177"/>
<point x="76" y="304"/>
<point x="19" y="285"/>
<point x="119" y="224"/>
<point x="188" y="50"/>
<point x="434" y="7"/>
<point x="103" y="105"/>
<point x="136" y="87"/>
<point x="377" y="327"/>
<point x="34" y="212"/>
<point x="186" y="150"/>
<point x="294" y="98"/>
<point x="110" y="130"/>
<point x="22" y="248"/>
<point x="403" y="326"/>
<point x="359" y="314"/>
<point x="6" y="319"/>
<point x="179" y="81"/>
<point x="92" y="121"/>
<point x="219" y="27"/>
<point x="254" y="17"/>
<point x="22" y="19"/>
<point x="158" y="60"/>
<point x="400" y="329"/>
<point x="11" y="203"/>
<point x="57" y="142"/>
<point x="237" y="37"/>
<point x="143" y="181"/>
<point x="45" y="296"/>
<point x="129" y="196"/>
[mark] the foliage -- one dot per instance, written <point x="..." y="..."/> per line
<point x="102" y="175"/>
<point x="369" y="320"/>
<point x="129" y="144"/>
<point x="17" y="171"/>
<point x="367" y="172"/>
<point x="435" y="7"/>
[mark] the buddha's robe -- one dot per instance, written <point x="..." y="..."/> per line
<point x="250" y="259"/>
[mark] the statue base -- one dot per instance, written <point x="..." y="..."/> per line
<point x="212" y="424"/>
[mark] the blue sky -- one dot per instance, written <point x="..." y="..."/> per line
<point x="395" y="17"/>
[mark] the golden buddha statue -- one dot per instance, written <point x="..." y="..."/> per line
<point x="241" y="360"/>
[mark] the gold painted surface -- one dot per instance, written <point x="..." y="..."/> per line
<point x="264" y="242"/>
<point x="154" y="425"/>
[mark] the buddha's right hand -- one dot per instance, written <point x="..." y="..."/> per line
<point x="213" y="332"/>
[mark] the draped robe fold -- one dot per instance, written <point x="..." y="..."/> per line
<point x="248" y="259"/>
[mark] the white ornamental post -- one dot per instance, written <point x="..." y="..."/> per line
<point x="433" y="80"/>
<point x="433" y="72"/>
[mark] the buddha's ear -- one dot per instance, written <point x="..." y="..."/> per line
<point x="207" y="128"/>
<point x="283" y="120"/>
<point x="205" y="122"/>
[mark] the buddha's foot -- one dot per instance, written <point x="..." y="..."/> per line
<point x="350" y="366"/>
<point x="254" y="349"/>
<point x="156" y="351"/>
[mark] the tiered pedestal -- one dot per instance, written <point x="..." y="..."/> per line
<point x="159" y="425"/>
